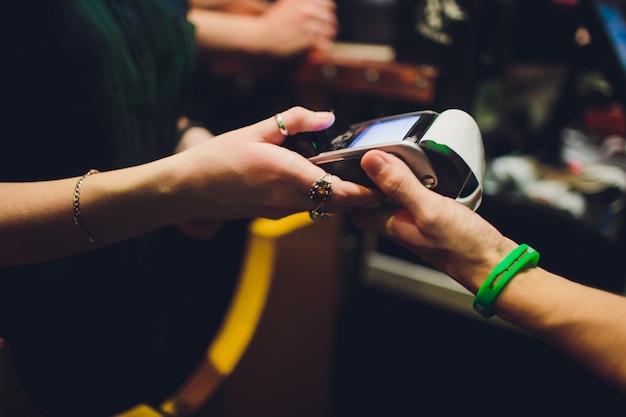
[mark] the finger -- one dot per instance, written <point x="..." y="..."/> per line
<point x="345" y="195"/>
<point x="397" y="181"/>
<point x="295" y="120"/>
<point x="348" y="195"/>
<point x="374" y="220"/>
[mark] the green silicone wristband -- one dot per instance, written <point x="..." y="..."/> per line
<point x="501" y="275"/>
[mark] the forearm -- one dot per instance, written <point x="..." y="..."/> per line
<point x="247" y="5"/>
<point x="208" y="3"/>
<point x="37" y="218"/>
<point x="220" y="31"/>
<point x="586" y="323"/>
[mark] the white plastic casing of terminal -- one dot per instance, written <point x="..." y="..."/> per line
<point x="457" y="130"/>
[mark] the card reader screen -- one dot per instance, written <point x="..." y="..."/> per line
<point x="385" y="131"/>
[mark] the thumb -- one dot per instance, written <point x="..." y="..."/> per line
<point x="295" y="120"/>
<point x="394" y="178"/>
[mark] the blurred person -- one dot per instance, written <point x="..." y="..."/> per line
<point x="249" y="49"/>
<point x="279" y="29"/>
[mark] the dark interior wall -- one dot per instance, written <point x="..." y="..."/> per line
<point x="399" y="357"/>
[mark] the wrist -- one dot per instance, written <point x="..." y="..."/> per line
<point x="516" y="261"/>
<point x="474" y="277"/>
<point x="186" y="183"/>
<point x="124" y="203"/>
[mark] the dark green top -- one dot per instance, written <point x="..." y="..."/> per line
<point x="91" y="84"/>
<point x="99" y="84"/>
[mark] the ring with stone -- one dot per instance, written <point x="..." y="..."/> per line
<point x="320" y="192"/>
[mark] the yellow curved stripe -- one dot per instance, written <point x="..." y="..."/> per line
<point x="242" y="317"/>
<point x="140" y="411"/>
<point x="276" y="228"/>
<point x="247" y="307"/>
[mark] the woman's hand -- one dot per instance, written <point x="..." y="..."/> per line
<point x="244" y="173"/>
<point x="440" y="230"/>
<point x="205" y="228"/>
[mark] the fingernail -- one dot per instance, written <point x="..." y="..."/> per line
<point x="375" y="164"/>
<point x="325" y="115"/>
<point x="327" y="118"/>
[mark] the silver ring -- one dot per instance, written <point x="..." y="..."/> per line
<point x="320" y="192"/>
<point x="281" y="125"/>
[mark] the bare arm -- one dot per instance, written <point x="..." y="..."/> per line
<point x="586" y="323"/>
<point x="236" y="175"/>
<point x="36" y="219"/>
<point x="238" y="6"/>
<point x="286" y="28"/>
